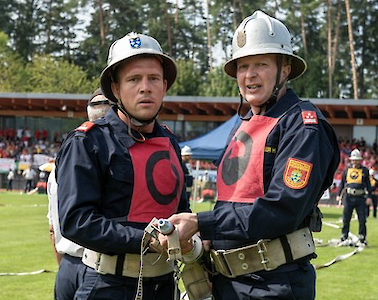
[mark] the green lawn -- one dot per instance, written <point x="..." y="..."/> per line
<point x="25" y="247"/>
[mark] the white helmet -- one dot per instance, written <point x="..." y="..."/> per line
<point x="129" y="46"/>
<point x="355" y="155"/>
<point x="186" y="151"/>
<point x="262" y="34"/>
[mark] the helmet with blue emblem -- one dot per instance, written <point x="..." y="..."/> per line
<point x="129" y="46"/>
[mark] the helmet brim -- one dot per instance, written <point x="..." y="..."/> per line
<point x="298" y="64"/>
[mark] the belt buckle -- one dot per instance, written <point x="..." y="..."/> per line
<point x="223" y="263"/>
<point x="262" y="250"/>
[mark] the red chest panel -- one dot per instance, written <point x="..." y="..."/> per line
<point x="240" y="173"/>
<point x="158" y="180"/>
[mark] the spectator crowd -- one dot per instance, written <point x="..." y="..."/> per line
<point x="22" y="144"/>
<point x="369" y="154"/>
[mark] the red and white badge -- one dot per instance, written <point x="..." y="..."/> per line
<point x="309" y="117"/>
<point x="85" y="126"/>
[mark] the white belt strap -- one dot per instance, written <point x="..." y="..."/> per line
<point x="154" y="264"/>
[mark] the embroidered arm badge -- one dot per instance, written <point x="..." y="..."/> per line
<point x="297" y="173"/>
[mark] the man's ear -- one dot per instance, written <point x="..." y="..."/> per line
<point x="115" y="90"/>
<point x="165" y="82"/>
<point x="285" y="71"/>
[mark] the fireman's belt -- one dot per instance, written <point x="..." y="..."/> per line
<point x="154" y="264"/>
<point x="355" y="192"/>
<point x="265" y="255"/>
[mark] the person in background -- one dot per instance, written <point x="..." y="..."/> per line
<point x="67" y="253"/>
<point x="10" y="178"/>
<point x="355" y="184"/>
<point x="43" y="176"/>
<point x="29" y="175"/>
<point x="186" y="153"/>
<point x="374" y="194"/>
<point x="116" y="174"/>
<point x="97" y="106"/>
<point x="277" y="165"/>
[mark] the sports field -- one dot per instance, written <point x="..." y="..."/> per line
<point x="28" y="268"/>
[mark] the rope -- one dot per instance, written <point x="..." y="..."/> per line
<point x="143" y="250"/>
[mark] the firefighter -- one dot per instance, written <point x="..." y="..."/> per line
<point x="186" y="153"/>
<point x="119" y="172"/>
<point x="67" y="253"/>
<point x="273" y="172"/>
<point x="374" y="192"/>
<point x="355" y="183"/>
<point x="98" y="105"/>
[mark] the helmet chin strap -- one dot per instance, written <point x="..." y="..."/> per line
<point x="244" y="118"/>
<point x="277" y="87"/>
<point x="136" y="122"/>
<point x="273" y="98"/>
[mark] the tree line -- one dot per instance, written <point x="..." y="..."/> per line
<point x="46" y="47"/>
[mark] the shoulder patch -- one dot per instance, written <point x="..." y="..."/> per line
<point x="86" y="126"/>
<point x="297" y="173"/>
<point x="309" y="117"/>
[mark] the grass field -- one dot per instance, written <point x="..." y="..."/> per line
<point x="25" y="247"/>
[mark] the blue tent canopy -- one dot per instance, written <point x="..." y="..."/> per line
<point x="211" y="145"/>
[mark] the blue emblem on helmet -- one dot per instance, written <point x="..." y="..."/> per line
<point x="135" y="42"/>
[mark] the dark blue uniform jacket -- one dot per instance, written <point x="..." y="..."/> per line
<point x="282" y="209"/>
<point x="95" y="185"/>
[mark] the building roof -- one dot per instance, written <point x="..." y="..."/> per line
<point x="190" y="108"/>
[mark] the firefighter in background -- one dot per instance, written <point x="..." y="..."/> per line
<point x="275" y="169"/>
<point x="186" y="153"/>
<point x="98" y="105"/>
<point x="355" y="183"/>
<point x="67" y="253"/>
<point x="374" y="194"/>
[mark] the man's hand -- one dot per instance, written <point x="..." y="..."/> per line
<point x="155" y="245"/>
<point x="369" y="201"/>
<point x="186" y="223"/>
<point x="187" y="226"/>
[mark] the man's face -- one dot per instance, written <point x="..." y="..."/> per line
<point x="141" y="86"/>
<point x="256" y="76"/>
<point x="356" y="162"/>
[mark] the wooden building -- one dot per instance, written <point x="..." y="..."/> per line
<point x="350" y="118"/>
